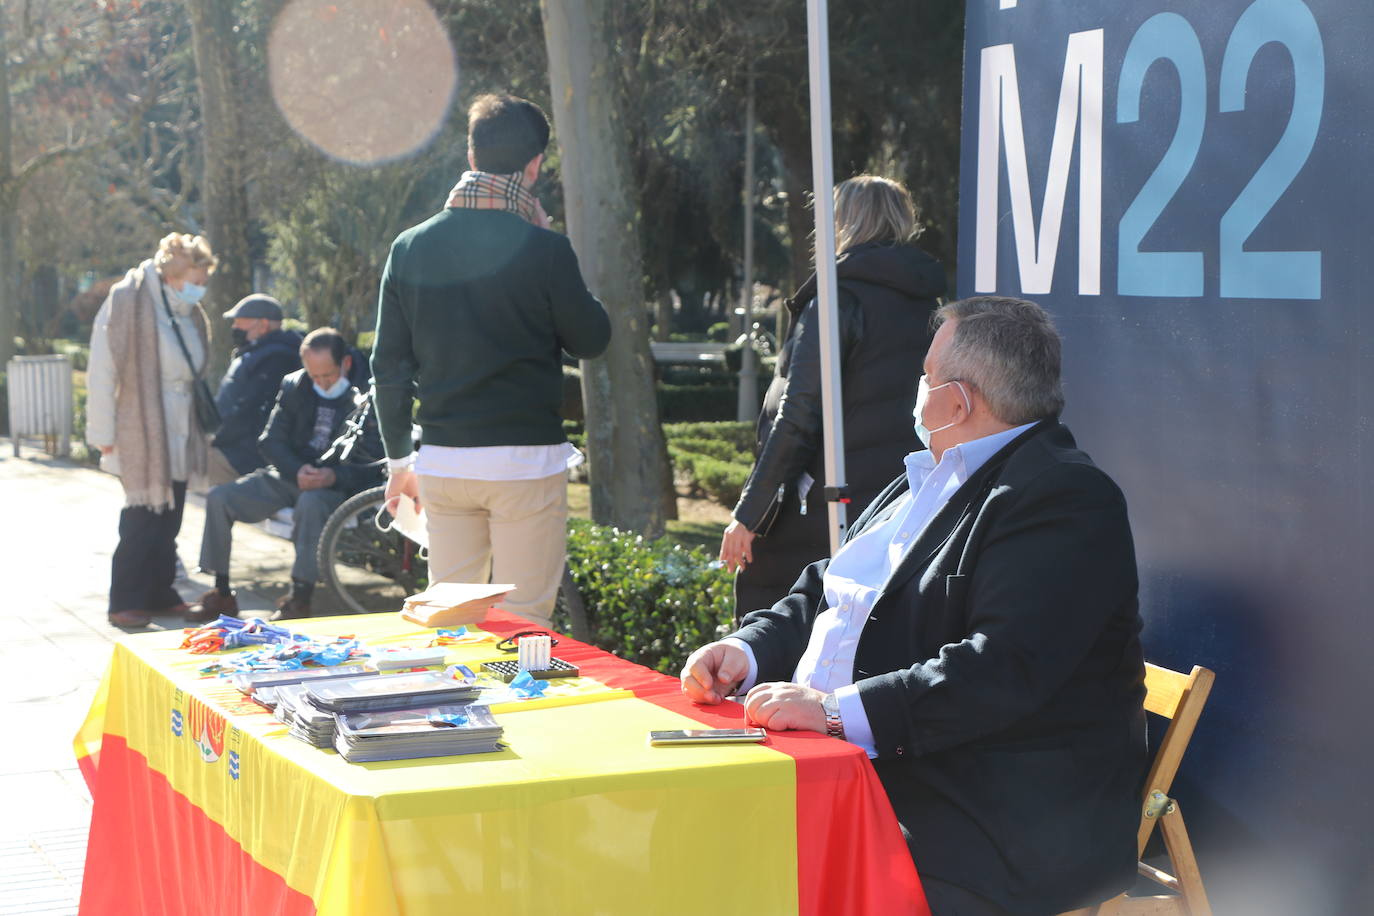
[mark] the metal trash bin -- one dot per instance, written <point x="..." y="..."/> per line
<point x="40" y="402"/>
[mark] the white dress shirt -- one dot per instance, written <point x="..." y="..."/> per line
<point x="491" y="462"/>
<point x="860" y="570"/>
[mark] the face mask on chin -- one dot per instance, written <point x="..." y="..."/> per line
<point x="334" y="390"/>
<point x="923" y="391"/>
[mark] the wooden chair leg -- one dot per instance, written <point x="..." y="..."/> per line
<point x="1185" y="863"/>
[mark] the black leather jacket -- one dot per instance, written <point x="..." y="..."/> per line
<point x="293" y="424"/>
<point x="887" y="294"/>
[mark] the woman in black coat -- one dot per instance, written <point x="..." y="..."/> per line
<point x="887" y="291"/>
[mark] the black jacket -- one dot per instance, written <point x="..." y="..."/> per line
<point x="246" y="394"/>
<point x="296" y="429"/>
<point x="1002" y="675"/>
<point x="887" y="295"/>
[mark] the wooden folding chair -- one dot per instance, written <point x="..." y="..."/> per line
<point x="1179" y="698"/>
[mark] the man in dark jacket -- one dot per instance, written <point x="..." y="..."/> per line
<point x="263" y="354"/>
<point x="309" y="415"/>
<point x="477" y="305"/>
<point x="977" y="634"/>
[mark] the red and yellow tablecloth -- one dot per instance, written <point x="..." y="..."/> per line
<point x="203" y="804"/>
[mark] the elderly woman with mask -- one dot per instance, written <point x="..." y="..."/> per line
<point x="149" y="345"/>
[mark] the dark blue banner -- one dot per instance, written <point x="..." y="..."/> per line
<point x="1186" y="186"/>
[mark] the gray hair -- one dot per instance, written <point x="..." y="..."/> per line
<point x="1009" y="350"/>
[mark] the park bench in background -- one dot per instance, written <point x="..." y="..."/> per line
<point x="694" y="352"/>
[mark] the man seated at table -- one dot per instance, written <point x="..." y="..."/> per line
<point x="309" y="415"/>
<point x="977" y="634"/>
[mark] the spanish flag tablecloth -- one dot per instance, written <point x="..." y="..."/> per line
<point x="203" y="804"/>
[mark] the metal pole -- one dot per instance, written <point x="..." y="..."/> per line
<point x="827" y="292"/>
<point x="748" y="371"/>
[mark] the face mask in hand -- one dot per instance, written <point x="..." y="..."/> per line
<point x="335" y="389"/>
<point x="923" y="391"/>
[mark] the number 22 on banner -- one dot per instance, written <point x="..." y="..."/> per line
<point x="1169" y="37"/>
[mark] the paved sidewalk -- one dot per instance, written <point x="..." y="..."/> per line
<point x="55" y="547"/>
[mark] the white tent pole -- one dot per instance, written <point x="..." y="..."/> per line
<point x="823" y="178"/>
<point x="748" y="369"/>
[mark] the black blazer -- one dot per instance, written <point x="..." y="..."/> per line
<point x="1002" y="675"/>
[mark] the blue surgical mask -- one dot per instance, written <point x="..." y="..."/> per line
<point x="923" y="391"/>
<point x="190" y="293"/>
<point x="335" y="389"/>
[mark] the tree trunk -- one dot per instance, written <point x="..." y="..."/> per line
<point x="9" y="213"/>
<point x="226" y="200"/>
<point x="628" y="457"/>
<point x="801" y="224"/>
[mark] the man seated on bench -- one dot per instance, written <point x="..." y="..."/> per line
<point x="977" y="634"/>
<point x="309" y="415"/>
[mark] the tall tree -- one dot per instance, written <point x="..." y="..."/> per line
<point x="629" y="460"/>
<point x="225" y="194"/>
<point x="53" y="43"/>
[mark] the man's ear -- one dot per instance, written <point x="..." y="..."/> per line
<point x="532" y="170"/>
<point x="472" y="161"/>
<point x="346" y="366"/>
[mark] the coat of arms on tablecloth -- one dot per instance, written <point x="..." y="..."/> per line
<point x="204" y="726"/>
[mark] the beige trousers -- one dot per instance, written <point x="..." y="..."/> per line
<point x="500" y="531"/>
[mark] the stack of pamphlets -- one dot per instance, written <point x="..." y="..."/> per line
<point x="450" y="604"/>
<point x="435" y="731"/>
<point x="304" y="720"/>
<point x="394" y="691"/>
<point x="250" y="682"/>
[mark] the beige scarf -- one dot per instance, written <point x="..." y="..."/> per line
<point x="140" y="427"/>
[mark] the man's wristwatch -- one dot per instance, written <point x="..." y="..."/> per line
<point x="834" y="725"/>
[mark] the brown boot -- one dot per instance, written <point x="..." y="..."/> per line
<point x="130" y="619"/>
<point x="291" y="608"/>
<point x="210" y="606"/>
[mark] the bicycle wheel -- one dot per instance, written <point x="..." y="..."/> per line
<point x="368" y="569"/>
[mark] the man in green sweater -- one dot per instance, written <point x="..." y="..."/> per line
<point x="477" y="305"/>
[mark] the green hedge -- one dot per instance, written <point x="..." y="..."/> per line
<point x="652" y="602"/>
<point x="715" y="458"/>
<point x="716" y="448"/>
<point x="739" y="435"/>
<point x="721" y="480"/>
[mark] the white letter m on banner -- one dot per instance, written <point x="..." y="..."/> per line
<point x="999" y="112"/>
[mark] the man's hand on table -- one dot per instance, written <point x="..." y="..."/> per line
<point x="780" y="706"/>
<point x="714" y="671"/>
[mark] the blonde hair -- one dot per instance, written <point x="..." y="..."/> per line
<point x="869" y="208"/>
<point x="181" y="251"/>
